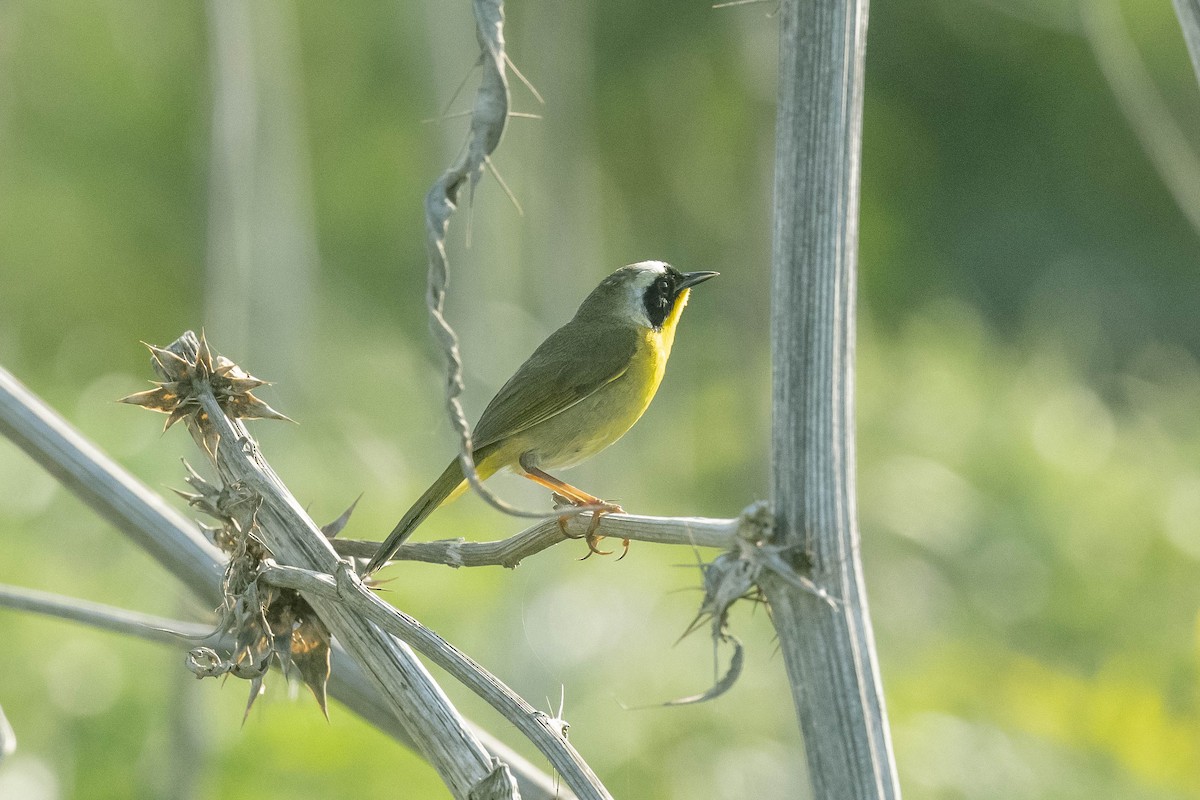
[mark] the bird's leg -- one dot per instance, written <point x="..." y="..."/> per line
<point x="577" y="497"/>
<point x="562" y="502"/>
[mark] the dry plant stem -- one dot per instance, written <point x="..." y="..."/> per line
<point x="428" y="715"/>
<point x="348" y="589"/>
<point x="828" y="649"/>
<point x="8" y="738"/>
<point x="687" y="531"/>
<point x="161" y="630"/>
<point x="488" y="117"/>
<point x="108" y="618"/>
<point x="433" y="724"/>
<point x="179" y="547"/>
<point x="1188" y="12"/>
<point x="1165" y="143"/>
<point x="168" y="536"/>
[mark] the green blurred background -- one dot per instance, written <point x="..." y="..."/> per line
<point x="1029" y="451"/>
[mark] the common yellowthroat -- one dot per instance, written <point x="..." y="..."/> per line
<point x="579" y="392"/>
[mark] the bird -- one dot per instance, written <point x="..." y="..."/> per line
<point x="580" y="391"/>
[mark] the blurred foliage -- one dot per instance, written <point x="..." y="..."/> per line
<point x="1028" y="380"/>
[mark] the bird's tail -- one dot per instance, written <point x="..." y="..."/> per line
<point x="449" y="485"/>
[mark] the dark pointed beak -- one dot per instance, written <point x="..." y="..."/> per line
<point x="690" y="279"/>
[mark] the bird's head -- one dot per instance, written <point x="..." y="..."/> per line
<point x="650" y="294"/>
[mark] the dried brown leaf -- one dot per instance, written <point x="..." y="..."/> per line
<point x="170" y="364"/>
<point x="247" y="406"/>
<point x="310" y="653"/>
<point x="158" y="399"/>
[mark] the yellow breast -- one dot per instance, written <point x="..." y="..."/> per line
<point x="649" y="364"/>
<point x="594" y="423"/>
<point x="597" y="421"/>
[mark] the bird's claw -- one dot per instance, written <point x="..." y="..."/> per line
<point x="593" y="538"/>
<point x="624" y="549"/>
<point x="592" y="541"/>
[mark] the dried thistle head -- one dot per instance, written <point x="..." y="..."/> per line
<point x="184" y="374"/>
<point x="263" y="624"/>
<point x="266" y="624"/>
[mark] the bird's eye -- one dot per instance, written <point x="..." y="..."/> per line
<point x="663" y="290"/>
<point x="658" y="300"/>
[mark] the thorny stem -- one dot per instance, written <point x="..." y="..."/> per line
<point x="488" y="118"/>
